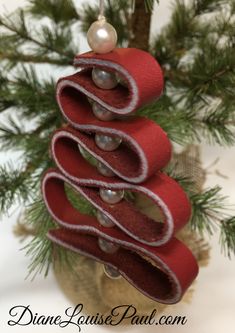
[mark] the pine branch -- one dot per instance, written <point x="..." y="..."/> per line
<point x="199" y="73"/>
<point x="35" y="100"/>
<point x="207" y="208"/>
<point x="219" y="124"/>
<point x="214" y="123"/>
<point x="227" y="237"/>
<point x="11" y="135"/>
<point x="206" y="6"/>
<point x="40" y="249"/>
<point x="210" y="211"/>
<point x="55" y="40"/>
<point x="15" y="57"/>
<point x="191" y="53"/>
<point x="15" y="185"/>
<point x="5" y="94"/>
<point x="32" y="95"/>
<point x="213" y="72"/>
<point x="59" y="11"/>
<point x="78" y="202"/>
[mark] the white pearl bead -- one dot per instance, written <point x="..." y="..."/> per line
<point x="107" y="143"/>
<point x="102" y="37"/>
<point x="111" y="272"/>
<point x="107" y="247"/>
<point x="104" y="79"/>
<point x="105" y="171"/>
<point x="104" y="220"/>
<point x="101" y="113"/>
<point x="111" y="197"/>
<point x="87" y="156"/>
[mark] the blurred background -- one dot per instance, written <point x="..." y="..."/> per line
<point x="213" y="303"/>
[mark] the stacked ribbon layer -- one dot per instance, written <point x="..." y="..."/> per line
<point x="148" y="255"/>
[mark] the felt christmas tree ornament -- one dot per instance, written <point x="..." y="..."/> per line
<point x="128" y="242"/>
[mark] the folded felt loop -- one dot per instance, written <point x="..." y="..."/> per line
<point x="153" y="271"/>
<point x="139" y="134"/>
<point x="138" y="68"/>
<point x="164" y="192"/>
<point x="161" y="273"/>
<point x="133" y="161"/>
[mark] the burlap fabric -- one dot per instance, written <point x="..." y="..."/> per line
<point x="90" y="286"/>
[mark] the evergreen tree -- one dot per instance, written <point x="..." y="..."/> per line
<point x="196" y="51"/>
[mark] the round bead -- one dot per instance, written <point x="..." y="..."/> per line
<point x="107" y="247"/>
<point x="105" y="171"/>
<point x="104" y="220"/>
<point x="107" y="143"/>
<point x="111" y="197"/>
<point x="87" y="156"/>
<point x="111" y="272"/>
<point x="101" y="113"/>
<point x="102" y="37"/>
<point x="104" y="79"/>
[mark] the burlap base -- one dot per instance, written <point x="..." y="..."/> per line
<point x="99" y="294"/>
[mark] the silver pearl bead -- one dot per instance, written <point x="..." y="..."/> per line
<point x="107" y="143"/>
<point x="107" y="247"/>
<point x="102" y="37"/>
<point x="104" y="79"/>
<point x="111" y="272"/>
<point x="111" y="197"/>
<point x="104" y="220"/>
<point x="101" y="113"/>
<point x="105" y="171"/>
<point x="87" y="156"/>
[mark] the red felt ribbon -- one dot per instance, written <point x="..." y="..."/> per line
<point x="136" y="165"/>
<point x="174" y="266"/>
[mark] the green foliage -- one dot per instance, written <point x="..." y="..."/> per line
<point x="78" y="202"/>
<point x="59" y="11"/>
<point x="196" y="52"/>
<point x="40" y="249"/>
<point x="210" y="211"/>
<point x="207" y="208"/>
<point x="197" y="57"/>
<point x="45" y="43"/>
<point x="215" y="123"/>
<point x="227" y="237"/>
<point x="14" y="186"/>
